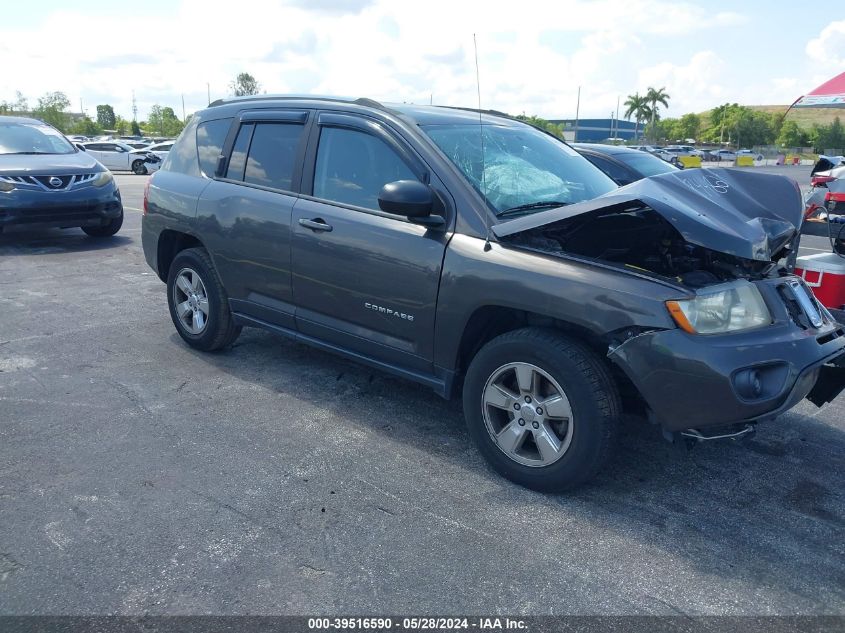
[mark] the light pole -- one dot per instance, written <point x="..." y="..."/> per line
<point x="577" y="109"/>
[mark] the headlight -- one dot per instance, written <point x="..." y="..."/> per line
<point x="725" y="308"/>
<point x="6" y="186"/>
<point x="103" y="178"/>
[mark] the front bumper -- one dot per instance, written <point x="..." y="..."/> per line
<point x="691" y="381"/>
<point x="85" y="206"/>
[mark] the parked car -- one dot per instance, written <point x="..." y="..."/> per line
<point x="680" y="150"/>
<point x="160" y="149"/>
<point x="642" y="148"/>
<point x="45" y="181"/>
<point x="153" y="155"/>
<point x="670" y="157"/>
<point x="478" y="255"/>
<point x="623" y="164"/>
<point x="725" y="154"/>
<point x="748" y="152"/>
<point x="117" y="155"/>
<point x="826" y="169"/>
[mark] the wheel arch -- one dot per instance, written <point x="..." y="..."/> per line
<point x="490" y="321"/>
<point x="170" y="244"/>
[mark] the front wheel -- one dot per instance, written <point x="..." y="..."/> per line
<point x="198" y="302"/>
<point x="106" y="230"/>
<point x="541" y="408"/>
<point x="139" y="168"/>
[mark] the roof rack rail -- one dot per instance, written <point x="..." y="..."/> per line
<point x="362" y="101"/>
<point x="476" y="110"/>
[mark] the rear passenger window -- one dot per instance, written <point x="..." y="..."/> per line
<point x="237" y="162"/>
<point x="352" y="167"/>
<point x="271" y="154"/>
<point x="619" y="174"/>
<point x="210" y="138"/>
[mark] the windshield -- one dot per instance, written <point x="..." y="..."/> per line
<point x="522" y="167"/>
<point x="645" y="164"/>
<point x="32" y="138"/>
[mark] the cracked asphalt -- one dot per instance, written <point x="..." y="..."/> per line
<point x="140" y="477"/>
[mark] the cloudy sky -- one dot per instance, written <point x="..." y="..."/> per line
<point x="533" y="55"/>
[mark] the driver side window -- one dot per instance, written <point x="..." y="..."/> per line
<point x="353" y="166"/>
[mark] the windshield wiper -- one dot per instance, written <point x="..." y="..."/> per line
<point x="543" y="204"/>
<point x="26" y="153"/>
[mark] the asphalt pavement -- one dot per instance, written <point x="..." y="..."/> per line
<point x="138" y="476"/>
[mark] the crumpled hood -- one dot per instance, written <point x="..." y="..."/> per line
<point x="48" y="164"/>
<point x="740" y="213"/>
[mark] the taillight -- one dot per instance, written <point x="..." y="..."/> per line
<point x="146" y="196"/>
<point x="832" y="198"/>
<point x="818" y="181"/>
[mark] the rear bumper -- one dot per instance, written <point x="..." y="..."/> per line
<point x="88" y="206"/>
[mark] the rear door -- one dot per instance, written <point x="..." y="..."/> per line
<point x="112" y="156"/>
<point x="245" y="213"/>
<point x="363" y="279"/>
<point x="95" y="150"/>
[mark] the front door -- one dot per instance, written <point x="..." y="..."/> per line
<point x="363" y="279"/>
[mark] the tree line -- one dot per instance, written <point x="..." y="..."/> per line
<point x="53" y="108"/>
<point x="739" y="125"/>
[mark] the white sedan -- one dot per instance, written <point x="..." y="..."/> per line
<point x="117" y="155"/>
<point x="159" y="150"/>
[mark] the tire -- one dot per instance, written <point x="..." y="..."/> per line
<point x="218" y="330"/>
<point x="138" y="167"/>
<point x="590" y="401"/>
<point x="108" y="230"/>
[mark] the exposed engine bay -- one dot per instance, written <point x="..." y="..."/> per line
<point x="696" y="227"/>
<point x="641" y="240"/>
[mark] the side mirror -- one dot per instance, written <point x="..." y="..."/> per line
<point x="410" y="198"/>
<point x="80" y="147"/>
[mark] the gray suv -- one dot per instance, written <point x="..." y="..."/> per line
<point x="480" y="256"/>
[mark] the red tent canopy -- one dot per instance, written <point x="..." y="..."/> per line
<point x="831" y="94"/>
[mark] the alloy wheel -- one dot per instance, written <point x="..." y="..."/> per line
<point x="527" y="414"/>
<point x="190" y="301"/>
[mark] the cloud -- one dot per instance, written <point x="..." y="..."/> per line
<point x="332" y="6"/>
<point x="689" y="85"/>
<point x="304" y="44"/>
<point x="531" y="60"/>
<point x="829" y="46"/>
<point x="117" y="61"/>
<point x="452" y="57"/>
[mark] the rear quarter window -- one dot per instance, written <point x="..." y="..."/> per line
<point x="182" y="158"/>
<point x="210" y="138"/>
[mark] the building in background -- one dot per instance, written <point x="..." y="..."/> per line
<point x="598" y="130"/>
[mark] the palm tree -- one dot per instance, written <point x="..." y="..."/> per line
<point x="653" y="97"/>
<point x="638" y="107"/>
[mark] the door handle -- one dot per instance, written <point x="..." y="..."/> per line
<point x="317" y="224"/>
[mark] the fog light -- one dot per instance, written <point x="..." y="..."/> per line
<point x="748" y="384"/>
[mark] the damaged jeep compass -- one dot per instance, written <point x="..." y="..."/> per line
<point x="482" y="257"/>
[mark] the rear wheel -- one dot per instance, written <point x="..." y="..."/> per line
<point x="541" y="408"/>
<point x="138" y="167"/>
<point x="106" y="230"/>
<point x="199" y="305"/>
